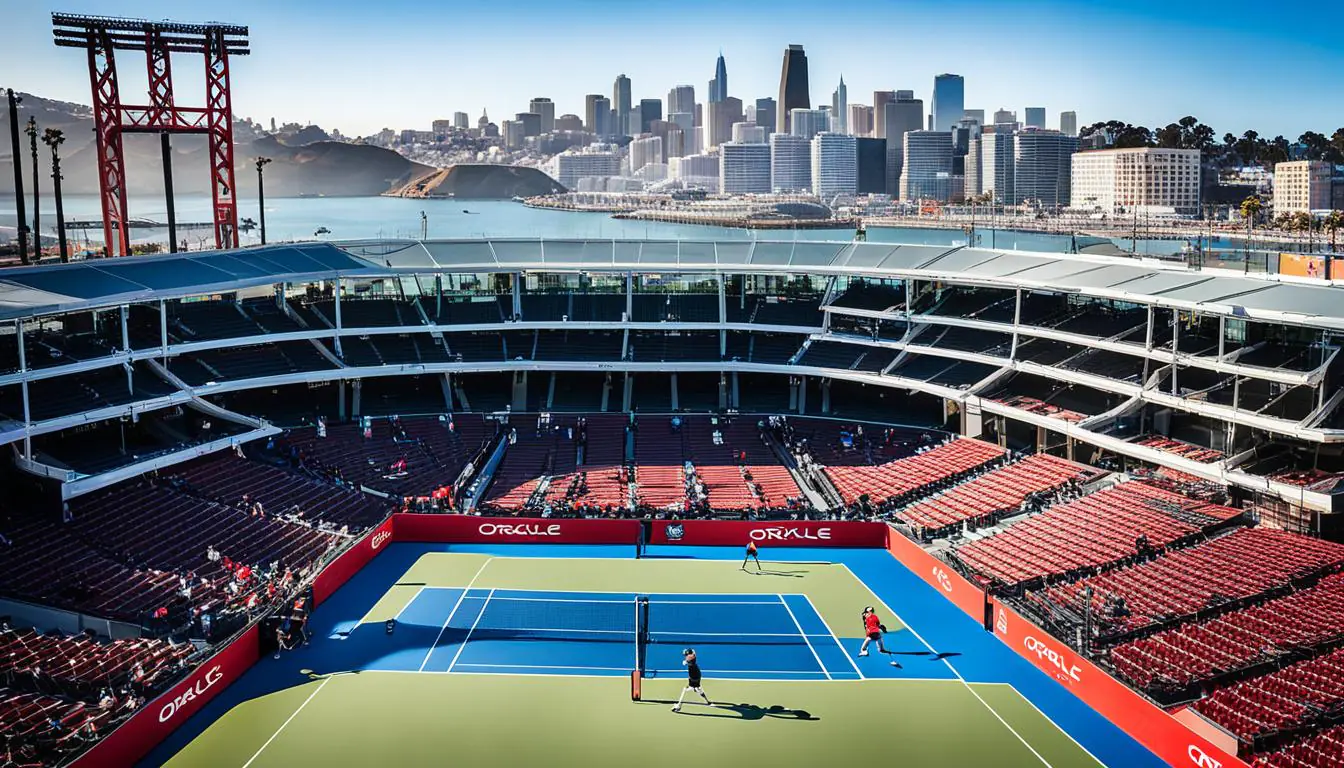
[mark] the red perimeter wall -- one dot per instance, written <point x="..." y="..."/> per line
<point x="796" y="533"/>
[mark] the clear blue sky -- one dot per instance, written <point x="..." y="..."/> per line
<point x="359" y="66"/>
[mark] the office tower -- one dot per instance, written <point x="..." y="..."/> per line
<point x="949" y="101"/>
<point x="834" y="165"/>
<point x="545" y="109"/>
<point x="840" y="108"/>
<point x="765" y="114"/>
<point x="996" y="162"/>
<point x="674" y="143"/>
<point x="748" y="133"/>
<point x="927" y="171"/>
<point x="1042" y="167"/>
<point x="905" y="95"/>
<point x="871" y="159"/>
<point x="644" y="151"/>
<point x="636" y="124"/>
<point x="572" y="165"/>
<point x="793" y="87"/>
<point x="440" y="128"/>
<point x="790" y="163"/>
<point x="971" y="185"/>
<point x="649" y="110"/>
<point x="1107" y="179"/>
<point x="620" y="105"/>
<point x="697" y="144"/>
<point x="722" y="115"/>
<point x="1004" y="116"/>
<point x="860" y="120"/>
<point x="880" y="101"/>
<point x="568" y="123"/>
<point x="744" y="168"/>
<point x="461" y="121"/>
<point x="696" y="171"/>
<point x="512" y="132"/>
<point x="808" y="122"/>
<point x="681" y="99"/>
<point x="596" y="109"/>
<point x="903" y="116"/>
<point x="531" y="122"/>
<point x="1068" y="123"/>
<point x="1035" y="117"/>
<point x="685" y="122"/>
<point x="978" y="115"/>
<point x="718" y="87"/>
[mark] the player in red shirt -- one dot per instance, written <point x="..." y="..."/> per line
<point x="751" y="555"/>
<point x="872" y="631"/>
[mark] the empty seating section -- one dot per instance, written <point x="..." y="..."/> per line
<point x="518" y="345"/>
<point x="598" y="307"/>
<point x="1234" y="567"/>
<point x="79" y="665"/>
<point x="875" y="297"/>
<point x="966" y="340"/>
<point x="1323" y="749"/>
<point x="737" y="469"/>
<point x="473" y="312"/>
<point x="269" y="316"/>
<point x="654" y="347"/>
<point x="1233" y="641"/>
<point x="1039" y="407"/>
<point x="579" y="345"/>
<point x="527" y="462"/>
<point x="832" y="354"/>
<point x="897" y="479"/>
<point x="542" y="307"/>
<point x="255" y="361"/>
<point x="797" y="312"/>
<point x="601" y="481"/>
<point x="44" y="730"/>
<point x="1287" y="698"/>
<point x="203" y="320"/>
<point x="1097" y="529"/>
<point x="675" y="308"/>
<point x="970" y="303"/>
<point x="659" y="481"/>
<point x="474" y="347"/>
<point x="1181" y="448"/>
<point x="226" y="478"/>
<point x="994" y="493"/>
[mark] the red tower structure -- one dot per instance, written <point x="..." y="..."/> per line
<point x="101" y="36"/>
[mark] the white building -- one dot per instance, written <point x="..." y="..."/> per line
<point x="594" y="161"/>
<point x="1302" y="186"/>
<point x="860" y="120"/>
<point x="835" y="165"/>
<point x="744" y="168"/>
<point x="996" y="163"/>
<point x="1068" y="123"/>
<point x="790" y="163"/>
<point x="644" y="151"/>
<point x="748" y="133"/>
<point x="696" y="171"/>
<point x="927" y="171"/>
<point x="808" y="122"/>
<point x="1042" y="167"/>
<point x="1116" y="180"/>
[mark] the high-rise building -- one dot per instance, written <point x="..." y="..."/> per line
<point x="620" y="105"/>
<point x="512" y="132"/>
<point x="461" y="121"/>
<point x="834" y="165"/>
<point x="793" y="86"/>
<point x="681" y="99"/>
<point x="440" y="128"/>
<point x="860" y="120"/>
<point x="696" y="171"/>
<point x="927" y="171"/>
<point x="949" y="101"/>
<point x="808" y="122"/>
<point x="597" y="115"/>
<point x="840" y="108"/>
<point x="685" y="122"/>
<point x="1303" y="186"/>
<point x="872" y="165"/>
<point x="971" y="169"/>
<point x="722" y="115"/>
<point x="545" y="109"/>
<point x="1120" y="180"/>
<point x="718" y="87"/>
<point x="904" y="95"/>
<point x="1004" y="116"/>
<point x="996" y="162"/>
<point x="765" y="114"/>
<point x="790" y="163"/>
<point x="1035" y="117"/>
<point x="1042" y="167"/>
<point x="597" y="161"/>
<point x="649" y="111"/>
<point x="531" y="122"/>
<point x="644" y="151"/>
<point x="570" y="123"/>
<point x="902" y="116"/>
<point x="880" y="101"/>
<point x="978" y="115"/>
<point x="748" y="133"/>
<point x="744" y="168"/>
<point x="1068" y="123"/>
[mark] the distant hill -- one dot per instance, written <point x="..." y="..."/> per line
<point x="318" y="168"/>
<point x="482" y="182"/>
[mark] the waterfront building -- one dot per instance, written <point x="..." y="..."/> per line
<point x="808" y="122"/>
<point x="1119" y="180"/>
<point x="927" y="168"/>
<point x="621" y="106"/>
<point x="834" y="165"/>
<point x="1042" y="167"/>
<point x="790" y="163"/>
<point x="903" y="115"/>
<point x="597" y="161"/>
<point x="949" y="101"/>
<point x="880" y="101"/>
<point x="1303" y="186"/>
<point x="645" y="150"/>
<point x="748" y="133"/>
<point x="744" y="168"/>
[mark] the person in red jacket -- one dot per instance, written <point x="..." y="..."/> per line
<point x="873" y="631"/>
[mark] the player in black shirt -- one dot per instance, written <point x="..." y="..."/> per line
<point x="692" y="665"/>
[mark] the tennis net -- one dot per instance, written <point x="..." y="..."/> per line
<point x="613" y="621"/>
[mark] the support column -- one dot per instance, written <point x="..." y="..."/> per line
<point x="1175" y="349"/>
<point x="438" y="298"/>
<point x="826" y="396"/>
<point x="337" y="335"/>
<point x="676" y="405"/>
<point x="517" y="294"/>
<point x="723" y="391"/>
<point x="340" y="400"/>
<point x="735" y="400"/>
<point x="124" y="313"/>
<point x="446" y="382"/>
<point x="357" y="385"/>
<point x="1222" y="338"/>
<point x="519" y="391"/>
<point x="23" y="390"/>
<point x="629" y="296"/>
<point x="802" y="394"/>
<point x="1017" y="324"/>
<point x="793" y="393"/>
<point x="163" y="329"/>
<point x="627" y="392"/>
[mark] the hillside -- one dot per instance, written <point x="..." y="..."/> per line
<point x="317" y="168"/>
<point x="481" y="182"/>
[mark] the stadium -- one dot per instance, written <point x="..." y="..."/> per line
<point x="416" y="501"/>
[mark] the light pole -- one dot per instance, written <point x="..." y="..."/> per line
<point x="31" y="130"/>
<point x="53" y="138"/>
<point x="262" y="162"/>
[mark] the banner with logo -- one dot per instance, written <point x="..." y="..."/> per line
<point x="941" y="576"/>
<point x="469" y="529"/>
<point x="1148" y="724"/>
<point x="797" y="533"/>
<point x="342" y="568"/>
<point x="151" y="725"/>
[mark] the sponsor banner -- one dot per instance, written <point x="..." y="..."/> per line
<point x="941" y="576"/>
<point x="468" y="529"/>
<point x="342" y="568"/>
<point x="797" y="533"/>
<point x="1148" y="724"/>
<point x="151" y="725"/>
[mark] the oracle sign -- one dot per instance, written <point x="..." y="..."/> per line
<point x="1062" y="669"/>
<point x="519" y="529"/>
<point x="509" y="530"/>
<point x="785" y="533"/>
<point x="378" y="538"/>
<point x="940" y="576"/>
<point x="790" y="534"/>
<point x="197" y="689"/>
<point x="937" y="574"/>
<point x="1201" y="758"/>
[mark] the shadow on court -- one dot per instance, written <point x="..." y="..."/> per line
<point x="725" y="711"/>
<point x="930" y="655"/>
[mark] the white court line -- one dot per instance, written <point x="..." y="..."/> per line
<point x="463" y="646"/>
<point x="1048" y="719"/>
<point x="295" y="714"/>
<point x="815" y="655"/>
<point x="408" y="602"/>
<point x="974" y="693"/>
<point x="449" y="620"/>
<point x="540" y="666"/>
<point x="834" y="637"/>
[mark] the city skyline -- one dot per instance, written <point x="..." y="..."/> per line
<point x="322" y="68"/>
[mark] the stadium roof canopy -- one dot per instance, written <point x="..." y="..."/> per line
<point x="47" y="289"/>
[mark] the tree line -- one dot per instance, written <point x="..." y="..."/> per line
<point x="1249" y="149"/>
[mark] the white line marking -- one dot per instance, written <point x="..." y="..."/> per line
<point x="463" y="646"/>
<point x="992" y="711"/>
<point x="815" y="655"/>
<point x="745" y="635"/>
<point x="295" y="714"/>
<point x="539" y="666"/>
<point x="449" y="620"/>
<point x="673" y="673"/>
<point x="834" y="636"/>
<point x="1048" y="719"/>
<point x="408" y="602"/>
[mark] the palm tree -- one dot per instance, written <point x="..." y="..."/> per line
<point x="54" y="137"/>
<point x="1333" y="223"/>
<point x="1250" y="208"/>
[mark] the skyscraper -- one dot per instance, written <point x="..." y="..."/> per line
<point x="790" y="163"/>
<point x="872" y="162"/>
<point x="1035" y="117"/>
<point x="765" y="114"/>
<point x="808" y="122"/>
<point x="685" y="122"/>
<point x="927" y="171"/>
<point x="835" y="169"/>
<point x="530" y="122"/>
<point x="978" y="115"/>
<point x="719" y="120"/>
<point x="744" y="168"/>
<point x="905" y="95"/>
<point x="1042" y="167"/>
<point x="681" y="99"/>
<point x="880" y="101"/>
<point x="1068" y="123"/>
<point x="860" y="120"/>
<point x="996" y="162"/>
<point x="620" y="102"/>
<point x="597" y="114"/>
<point x="649" y="110"/>
<point x="718" y="87"/>
<point x="546" y="109"/>
<point x="902" y="116"/>
<point x="949" y="101"/>
<point x="645" y="151"/>
<point x="748" y="133"/>
<point x="461" y="121"/>
<point x="793" y="87"/>
<point x="1003" y="116"/>
<point x="840" y="108"/>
